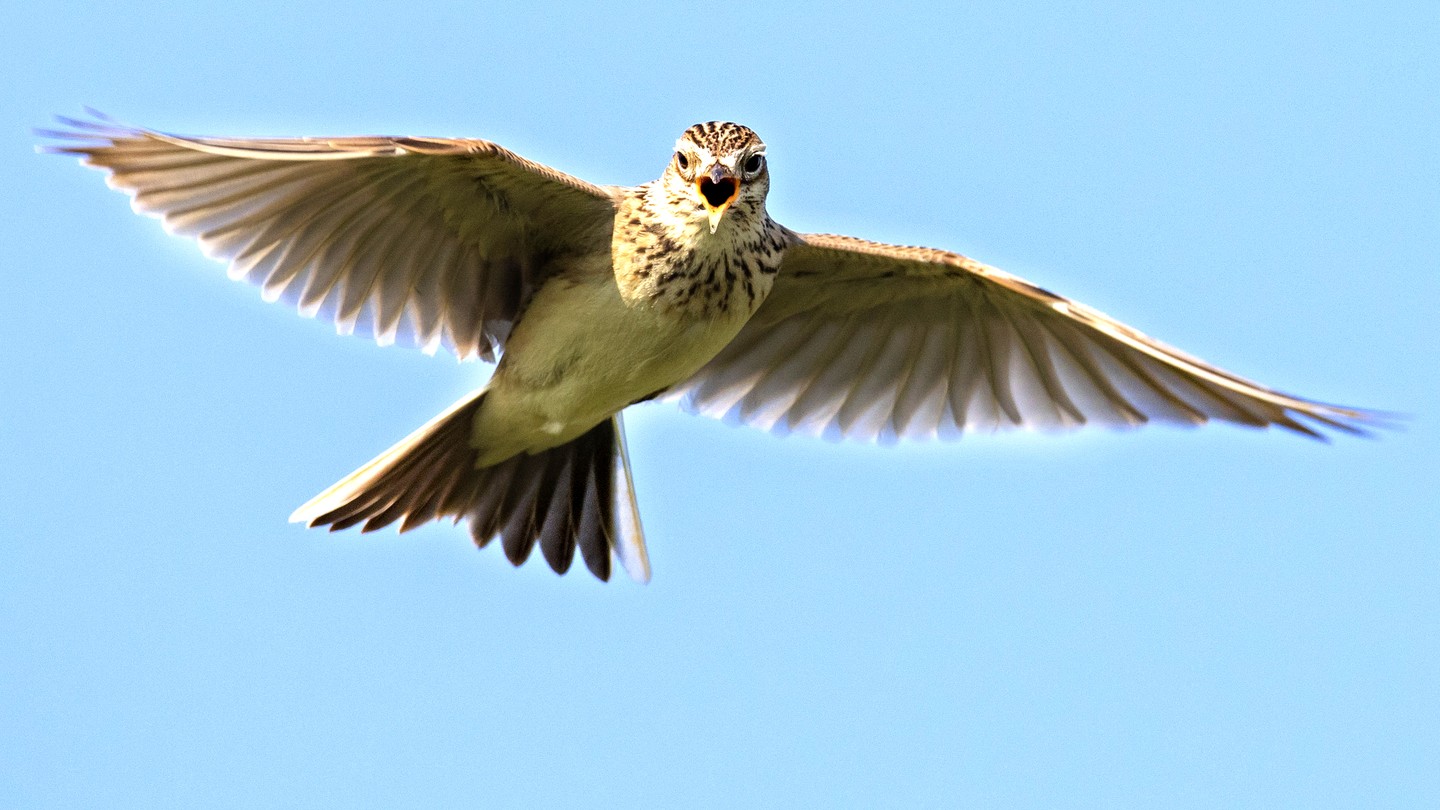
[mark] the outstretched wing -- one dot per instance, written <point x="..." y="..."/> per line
<point x="431" y="241"/>
<point x="867" y="340"/>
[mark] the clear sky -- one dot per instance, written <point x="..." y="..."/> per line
<point x="1165" y="618"/>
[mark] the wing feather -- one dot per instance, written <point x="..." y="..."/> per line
<point x="868" y="341"/>
<point x="1036" y="352"/>
<point x="921" y="403"/>
<point x="781" y="379"/>
<point x="867" y="404"/>
<point x="969" y="408"/>
<point x="427" y="241"/>
<point x="812" y="413"/>
<point x="1103" y="401"/>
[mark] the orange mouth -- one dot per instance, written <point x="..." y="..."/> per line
<point x="718" y="191"/>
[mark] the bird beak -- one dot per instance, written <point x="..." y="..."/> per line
<point x="718" y="188"/>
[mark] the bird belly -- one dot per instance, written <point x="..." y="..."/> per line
<point x="581" y="353"/>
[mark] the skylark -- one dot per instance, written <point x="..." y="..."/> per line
<point x="597" y="297"/>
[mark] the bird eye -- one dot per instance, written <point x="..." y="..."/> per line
<point x="753" y="164"/>
<point x="682" y="161"/>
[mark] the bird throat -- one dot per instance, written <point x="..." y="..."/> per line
<point x="665" y="256"/>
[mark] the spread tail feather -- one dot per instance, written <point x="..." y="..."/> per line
<point x="576" y="495"/>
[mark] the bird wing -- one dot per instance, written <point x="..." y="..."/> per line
<point x="867" y="340"/>
<point x="429" y="241"/>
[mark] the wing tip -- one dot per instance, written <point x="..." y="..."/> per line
<point x="99" y="127"/>
<point x="1363" y="423"/>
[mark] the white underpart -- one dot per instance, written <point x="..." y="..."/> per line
<point x="582" y="353"/>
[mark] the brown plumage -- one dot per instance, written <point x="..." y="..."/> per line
<point x="594" y="297"/>
<point x="559" y="498"/>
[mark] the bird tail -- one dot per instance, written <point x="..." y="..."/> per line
<point x="576" y="495"/>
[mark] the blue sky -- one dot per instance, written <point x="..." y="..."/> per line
<point x="1212" y="617"/>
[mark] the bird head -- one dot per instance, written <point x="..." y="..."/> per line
<point x="720" y="166"/>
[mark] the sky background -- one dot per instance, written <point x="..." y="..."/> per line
<point x="1163" y="618"/>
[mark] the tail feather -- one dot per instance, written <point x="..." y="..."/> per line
<point x="557" y="531"/>
<point x="575" y="496"/>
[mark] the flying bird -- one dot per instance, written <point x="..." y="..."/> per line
<point x="590" y="298"/>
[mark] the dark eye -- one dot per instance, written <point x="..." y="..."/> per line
<point x="753" y="163"/>
<point x="682" y="161"/>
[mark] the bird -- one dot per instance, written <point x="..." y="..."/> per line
<point x="590" y="298"/>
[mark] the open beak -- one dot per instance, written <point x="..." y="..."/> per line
<point x="718" y="187"/>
